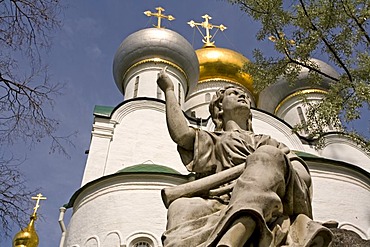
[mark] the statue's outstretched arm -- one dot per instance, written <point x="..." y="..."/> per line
<point x="177" y="125"/>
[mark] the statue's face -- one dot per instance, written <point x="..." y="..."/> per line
<point x="234" y="99"/>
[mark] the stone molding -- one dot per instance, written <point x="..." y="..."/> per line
<point x="136" y="105"/>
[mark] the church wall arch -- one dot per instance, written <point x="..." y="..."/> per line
<point x="92" y="241"/>
<point x="111" y="206"/>
<point x="113" y="238"/>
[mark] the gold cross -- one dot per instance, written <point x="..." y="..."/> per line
<point x="159" y="15"/>
<point x="37" y="198"/>
<point x="207" y="39"/>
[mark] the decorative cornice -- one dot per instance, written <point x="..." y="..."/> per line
<point x="155" y="60"/>
<point x="115" y="181"/>
<point x="220" y="79"/>
<point x="103" y="131"/>
<point x="339" y="171"/>
<point x="136" y="105"/>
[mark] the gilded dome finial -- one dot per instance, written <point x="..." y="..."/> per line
<point x="159" y="15"/>
<point x="27" y="237"/>
<point x="207" y="38"/>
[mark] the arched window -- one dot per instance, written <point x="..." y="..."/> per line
<point x="142" y="241"/>
<point x="301" y="115"/>
<point x="142" y="244"/>
<point x="302" y="118"/>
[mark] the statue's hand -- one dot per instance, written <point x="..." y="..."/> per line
<point x="164" y="82"/>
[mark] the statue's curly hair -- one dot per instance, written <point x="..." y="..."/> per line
<point x="215" y="108"/>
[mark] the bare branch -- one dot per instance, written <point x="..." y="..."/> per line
<point x="26" y="96"/>
<point x="14" y="196"/>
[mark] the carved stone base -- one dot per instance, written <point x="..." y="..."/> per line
<point x="344" y="237"/>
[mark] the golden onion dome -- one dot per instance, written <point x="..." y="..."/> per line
<point x="27" y="237"/>
<point x="223" y="64"/>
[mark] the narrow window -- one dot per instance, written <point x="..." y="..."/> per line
<point x="179" y="85"/>
<point x="136" y="87"/>
<point x="302" y="118"/>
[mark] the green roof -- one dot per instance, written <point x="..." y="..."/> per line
<point x="148" y="168"/>
<point x="104" y="111"/>
<point x="304" y="154"/>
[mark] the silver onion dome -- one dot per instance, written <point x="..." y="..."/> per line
<point x="156" y="43"/>
<point x="271" y="96"/>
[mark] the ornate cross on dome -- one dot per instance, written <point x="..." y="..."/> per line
<point x="159" y="15"/>
<point x="207" y="39"/>
<point x="37" y="198"/>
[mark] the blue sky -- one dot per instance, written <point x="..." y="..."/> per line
<point x="81" y="58"/>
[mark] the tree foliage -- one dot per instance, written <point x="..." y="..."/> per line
<point x="14" y="196"/>
<point x="333" y="30"/>
<point x="26" y="94"/>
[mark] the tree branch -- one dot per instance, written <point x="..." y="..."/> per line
<point x="360" y="26"/>
<point x="339" y="60"/>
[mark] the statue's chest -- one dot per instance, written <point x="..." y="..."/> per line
<point x="232" y="148"/>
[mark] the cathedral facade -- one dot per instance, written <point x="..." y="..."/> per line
<point x="132" y="157"/>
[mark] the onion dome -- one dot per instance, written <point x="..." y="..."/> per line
<point x="271" y="98"/>
<point x="223" y="64"/>
<point x="158" y="46"/>
<point x="27" y="237"/>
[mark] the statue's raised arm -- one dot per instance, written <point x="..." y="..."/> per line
<point x="178" y="128"/>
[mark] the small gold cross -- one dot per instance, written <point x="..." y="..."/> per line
<point x="207" y="39"/>
<point x="37" y="198"/>
<point x="159" y="15"/>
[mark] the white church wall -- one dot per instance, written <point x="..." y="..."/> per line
<point x="102" y="134"/>
<point x="141" y="136"/>
<point x="120" y="210"/>
<point x="147" y="86"/>
<point x="265" y="124"/>
<point x="144" y="78"/>
<point x="341" y="194"/>
<point x="341" y="148"/>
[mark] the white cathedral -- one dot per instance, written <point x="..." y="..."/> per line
<point x="132" y="157"/>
